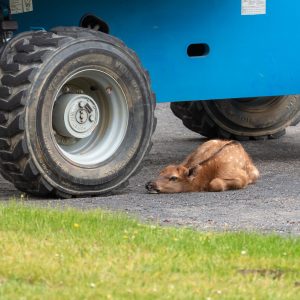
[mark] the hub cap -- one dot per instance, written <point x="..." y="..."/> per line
<point x="75" y="116"/>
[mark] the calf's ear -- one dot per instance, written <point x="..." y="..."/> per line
<point x="191" y="171"/>
<point x="183" y="171"/>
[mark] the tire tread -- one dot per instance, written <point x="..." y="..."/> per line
<point x="15" y="163"/>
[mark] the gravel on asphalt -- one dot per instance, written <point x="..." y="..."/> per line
<point x="271" y="205"/>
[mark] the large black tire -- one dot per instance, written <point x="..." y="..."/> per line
<point x="241" y="119"/>
<point x="37" y="68"/>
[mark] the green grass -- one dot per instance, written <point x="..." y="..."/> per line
<point x="52" y="254"/>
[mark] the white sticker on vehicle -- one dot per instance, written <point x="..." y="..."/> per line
<point x="16" y="6"/>
<point x="254" y="7"/>
<point x="20" y="6"/>
<point x="27" y="5"/>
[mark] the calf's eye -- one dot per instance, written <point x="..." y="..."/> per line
<point x="173" y="178"/>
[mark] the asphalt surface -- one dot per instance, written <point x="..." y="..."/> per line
<point x="271" y="205"/>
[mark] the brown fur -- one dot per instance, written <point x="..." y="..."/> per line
<point x="215" y="166"/>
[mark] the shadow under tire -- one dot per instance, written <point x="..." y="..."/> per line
<point x="241" y="119"/>
<point x="76" y="113"/>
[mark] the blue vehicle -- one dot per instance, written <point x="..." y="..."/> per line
<point x="76" y="101"/>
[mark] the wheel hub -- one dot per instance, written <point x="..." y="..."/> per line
<point x="75" y="115"/>
<point x="90" y="117"/>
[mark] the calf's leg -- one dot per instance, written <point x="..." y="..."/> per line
<point x="238" y="179"/>
<point x="217" y="185"/>
<point x="253" y="173"/>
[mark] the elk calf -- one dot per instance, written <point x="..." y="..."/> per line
<point x="215" y="166"/>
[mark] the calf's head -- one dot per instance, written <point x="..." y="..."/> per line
<point x="172" y="179"/>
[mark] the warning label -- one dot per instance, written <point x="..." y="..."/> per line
<point x="20" y="6"/>
<point x="254" y="7"/>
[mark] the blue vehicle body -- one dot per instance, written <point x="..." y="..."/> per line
<point x="253" y="55"/>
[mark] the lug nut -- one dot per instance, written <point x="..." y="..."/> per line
<point x="108" y="90"/>
<point x="81" y="104"/>
<point x="92" y="118"/>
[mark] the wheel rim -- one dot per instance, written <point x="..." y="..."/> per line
<point x="90" y="117"/>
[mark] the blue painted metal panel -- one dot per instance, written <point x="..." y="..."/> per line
<point x="249" y="55"/>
